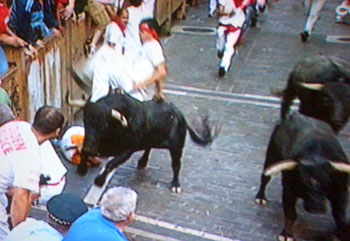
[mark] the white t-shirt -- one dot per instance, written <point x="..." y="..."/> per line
<point x="144" y="66"/>
<point x="114" y="34"/>
<point x="132" y="33"/>
<point x="153" y="51"/>
<point x="19" y="157"/>
<point x="237" y="20"/>
<point x="51" y="167"/>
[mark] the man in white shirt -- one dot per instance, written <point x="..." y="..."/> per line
<point x="21" y="162"/>
<point x="231" y="19"/>
<point x="151" y="65"/>
<point x="109" y="66"/>
<point x="138" y="11"/>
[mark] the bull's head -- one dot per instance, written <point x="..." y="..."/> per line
<point x="81" y="103"/>
<point x="332" y="102"/>
<point x="315" y="178"/>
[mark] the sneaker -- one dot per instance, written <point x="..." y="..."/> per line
<point x="304" y="36"/>
<point x="222" y="72"/>
<point x="220" y="54"/>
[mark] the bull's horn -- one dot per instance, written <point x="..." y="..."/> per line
<point x="312" y="86"/>
<point x="116" y="114"/>
<point x="280" y="166"/>
<point x="76" y="103"/>
<point x="342" y="167"/>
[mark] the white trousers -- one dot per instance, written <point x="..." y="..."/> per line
<point x="226" y="43"/>
<point x="315" y="7"/>
<point x="212" y="6"/>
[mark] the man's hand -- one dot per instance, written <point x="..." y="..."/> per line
<point x="67" y="12"/>
<point x="159" y="96"/>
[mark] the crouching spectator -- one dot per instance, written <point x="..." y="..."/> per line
<point x="62" y="211"/>
<point x="72" y="143"/>
<point x="107" y="222"/>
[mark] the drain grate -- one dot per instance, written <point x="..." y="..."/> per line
<point x="198" y="30"/>
<point x="347" y="39"/>
<point x="344" y="39"/>
<point x="195" y="30"/>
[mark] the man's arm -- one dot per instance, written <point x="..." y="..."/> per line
<point x="20" y="206"/>
<point x="159" y="75"/>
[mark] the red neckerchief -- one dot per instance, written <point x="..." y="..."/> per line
<point x="145" y="28"/>
<point x="121" y="25"/>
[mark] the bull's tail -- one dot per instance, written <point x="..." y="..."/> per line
<point x="207" y="134"/>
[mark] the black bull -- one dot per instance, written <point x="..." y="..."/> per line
<point x="138" y="126"/>
<point x="314" y="168"/>
<point x="322" y="85"/>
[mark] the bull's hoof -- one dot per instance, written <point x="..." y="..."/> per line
<point x="100" y="181"/>
<point x="176" y="189"/>
<point x="141" y="166"/>
<point x="284" y="236"/>
<point x="261" y="201"/>
<point x="82" y="170"/>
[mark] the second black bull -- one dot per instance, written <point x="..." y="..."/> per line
<point x="322" y="85"/>
<point x="118" y="125"/>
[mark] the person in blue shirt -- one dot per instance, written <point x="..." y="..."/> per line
<point x="33" y="20"/>
<point x="106" y="223"/>
<point x="62" y="210"/>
